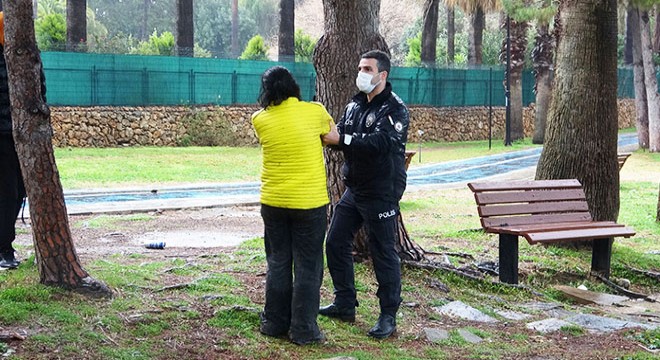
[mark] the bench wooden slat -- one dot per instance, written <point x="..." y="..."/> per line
<point x="534" y="208"/>
<point x="578" y="234"/>
<point x="524" y="185"/>
<point x="515" y="230"/>
<point x="485" y="198"/>
<point x="534" y="219"/>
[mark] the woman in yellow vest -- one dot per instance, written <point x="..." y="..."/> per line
<point x="294" y="197"/>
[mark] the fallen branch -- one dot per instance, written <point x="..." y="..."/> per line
<point x="10" y="335"/>
<point x="655" y="275"/>
<point x="180" y="286"/>
<point x="463" y="273"/>
<point x="463" y="255"/>
<point x="620" y="290"/>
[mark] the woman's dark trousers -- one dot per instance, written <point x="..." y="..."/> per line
<point x="294" y="252"/>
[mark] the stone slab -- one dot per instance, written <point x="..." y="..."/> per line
<point x="436" y="335"/>
<point x="589" y="297"/>
<point x="596" y="323"/>
<point x="469" y="336"/>
<point x="464" y="311"/>
<point x="548" y="325"/>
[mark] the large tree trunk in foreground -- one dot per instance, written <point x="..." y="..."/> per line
<point x="56" y="256"/>
<point x="350" y="29"/>
<point x="76" y="25"/>
<point x="650" y="79"/>
<point x="641" y="104"/>
<point x="581" y="134"/>
<point x="185" y="29"/>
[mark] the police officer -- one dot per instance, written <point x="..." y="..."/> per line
<point x="372" y="134"/>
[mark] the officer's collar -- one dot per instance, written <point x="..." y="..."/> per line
<point x="378" y="100"/>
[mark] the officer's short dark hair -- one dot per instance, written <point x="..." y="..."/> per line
<point x="382" y="59"/>
<point x="277" y="85"/>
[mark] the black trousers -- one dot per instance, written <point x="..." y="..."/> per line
<point x="12" y="192"/>
<point x="380" y="220"/>
<point x="294" y="252"/>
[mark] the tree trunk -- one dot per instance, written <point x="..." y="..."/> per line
<point x="451" y="35"/>
<point x="631" y="13"/>
<point x="475" y="36"/>
<point x="350" y="29"/>
<point x="429" y="32"/>
<point x="518" y="40"/>
<point x="185" y="30"/>
<point x="581" y="134"/>
<point x="542" y="59"/>
<point x="657" y="215"/>
<point x="76" y="29"/>
<point x="285" y="42"/>
<point x="652" y="97"/>
<point x="641" y="104"/>
<point x="57" y="261"/>
<point x="235" y="51"/>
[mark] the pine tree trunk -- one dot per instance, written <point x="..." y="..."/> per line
<point x="429" y="33"/>
<point x="185" y="30"/>
<point x="657" y="215"/>
<point x="350" y="29"/>
<point x="650" y="79"/>
<point x="76" y="29"/>
<point x="641" y="104"/>
<point x="581" y="134"/>
<point x="286" y="41"/>
<point x="631" y="13"/>
<point x="476" y="36"/>
<point x="56" y="256"/>
<point x="451" y="35"/>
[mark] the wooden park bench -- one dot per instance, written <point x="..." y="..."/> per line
<point x="543" y="212"/>
<point x="622" y="159"/>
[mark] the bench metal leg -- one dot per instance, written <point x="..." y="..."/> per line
<point x="601" y="256"/>
<point x="509" y="258"/>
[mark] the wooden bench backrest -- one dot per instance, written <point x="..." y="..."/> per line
<point x="622" y="159"/>
<point x="508" y="203"/>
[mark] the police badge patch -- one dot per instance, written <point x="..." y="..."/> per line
<point x="398" y="126"/>
<point x="370" y="120"/>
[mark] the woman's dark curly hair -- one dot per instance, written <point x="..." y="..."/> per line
<point x="277" y="85"/>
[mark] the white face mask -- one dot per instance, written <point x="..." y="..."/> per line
<point x="363" y="82"/>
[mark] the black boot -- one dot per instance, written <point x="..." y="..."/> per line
<point x="7" y="260"/>
<point x="385" y="327"/>
<point x="342" y="313"/>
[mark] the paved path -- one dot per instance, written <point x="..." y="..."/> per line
<point x="517" y="164"/>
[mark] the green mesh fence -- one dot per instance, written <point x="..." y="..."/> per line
<point x="81" y="79"/>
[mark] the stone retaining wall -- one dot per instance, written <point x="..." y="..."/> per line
<point x="175" y="126"/>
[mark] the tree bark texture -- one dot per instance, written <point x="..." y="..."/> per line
<point x="657" y="215"/>
<point x="476" y="36"/>
<point x="451" y="35"/>
<point x="542" y="59"/>
<point x="350" y="29"/>
<point x="581" y="134"/>
<point x="56" y="256"/>
<point x="652" y="96"/>
<point x="656" y="33"/>
<point x="429" y="32"/>
<point x="630" y="33"/>
<point x="76" y="25"/>
<point x="641" y="104"/>
<point x="185" y="29"/>
<point x="285" y="41"/>
<point x="518" y="41"/>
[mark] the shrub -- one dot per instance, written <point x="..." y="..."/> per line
<point x="256" y="49"/>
